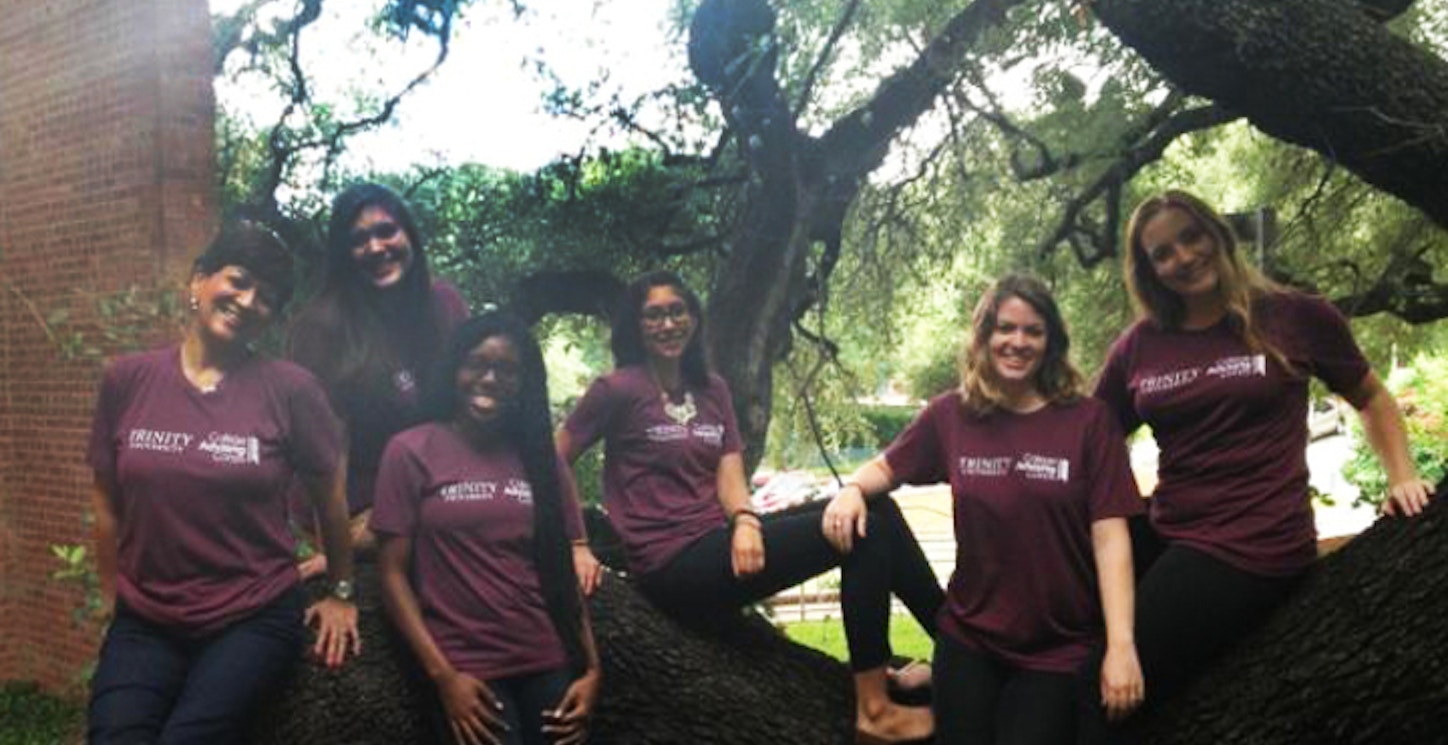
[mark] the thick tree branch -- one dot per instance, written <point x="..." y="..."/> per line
<point x="1318" y="73"/>
<point x="583" y="292"/>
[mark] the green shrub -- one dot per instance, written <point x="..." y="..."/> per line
<point x="1421" y="389"/>
<point x="30" y="717"/>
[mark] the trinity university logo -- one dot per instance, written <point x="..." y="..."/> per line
<point x="232" y="449"/>
<point x="157" y="441"/>
<point x="1239" y="366"/>
<point x="482" y="491"/>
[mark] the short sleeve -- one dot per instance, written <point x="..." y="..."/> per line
<point x="590" y="419"/>
<point x="733" y="442"/>
<point x="110" y="402"/>
<point x="1113" y="491"/>
<point x="398" y="490"/>
<point x="315" y="444"/>
<point x="916" y="457"/>
<point x="452" y="309"/>
<point x="1334" y="354"/>
<point x="1112" y="386"/>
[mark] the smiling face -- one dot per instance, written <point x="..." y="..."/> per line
<point x="381" y="250"/>
<point x="1182" y="253"/>
<point x="666" y="323"/>
<point x="487" y="382"/>
<point x="232" y="305"/>
<point x="1017" y="344"/>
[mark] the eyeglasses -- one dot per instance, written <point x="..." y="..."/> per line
<point x="656" y="315"/>
<point x="382" y="231"/>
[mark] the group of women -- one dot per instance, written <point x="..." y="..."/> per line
<point x="403" y="430"/>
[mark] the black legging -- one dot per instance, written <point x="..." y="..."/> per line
<point x="700" y="580"/>
<point x="1191" y="608"/>
<point x="982" y="701"/>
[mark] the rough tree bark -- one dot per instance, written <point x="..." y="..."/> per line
<point x="738" y="682"/>
<point x="1358" y="655"/>
<point x="1324" y="74"/>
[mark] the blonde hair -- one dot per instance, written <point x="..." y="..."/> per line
<point x="1239" y="284"/>
<point x="1056" y="379"/>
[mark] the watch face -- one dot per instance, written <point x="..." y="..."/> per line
<point x="342" y="590"/>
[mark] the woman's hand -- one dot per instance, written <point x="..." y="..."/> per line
<point x="568" y="724"/>
<point x="845" y="518"/>
<point x="474" y="714"/>
<point x="1122" y="688"/>
<point x="586" y="566"/>
<point x="746" y="547"/>
<point x="336" y="630"/>
<point x="315" y="566"/>
<point x="1408" y="498"/>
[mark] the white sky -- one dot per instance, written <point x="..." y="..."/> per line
<point x="482" y="105"/>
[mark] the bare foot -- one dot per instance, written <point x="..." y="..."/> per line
<point x="894" y="723"/>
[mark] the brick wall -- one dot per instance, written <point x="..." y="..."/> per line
<point x="106" y="153"/>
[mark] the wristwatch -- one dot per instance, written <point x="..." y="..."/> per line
<point x="343" y="589"/>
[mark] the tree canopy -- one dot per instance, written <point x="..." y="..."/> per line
<point x="841" y="178"/>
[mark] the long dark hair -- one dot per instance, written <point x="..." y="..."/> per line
<point x="1056" y="379"/>
<point x="528" y="428"/>
<point x="628" y="336"/>
<point x="355" y="337"/>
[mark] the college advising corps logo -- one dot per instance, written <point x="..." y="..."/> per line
<point x="1240" y="366"/>
<point x="517" y="490"/>
<point x="231" y="449"/>
<point x="222" y="447"/>
<point x="1028" y="465"/>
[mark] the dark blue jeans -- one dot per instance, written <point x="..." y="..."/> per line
<point x="155" y="685"/>
<point x="524" y="699"/>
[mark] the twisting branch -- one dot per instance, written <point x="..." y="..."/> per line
<point x="1120" y="172"/>
<point x="807" y="90"/>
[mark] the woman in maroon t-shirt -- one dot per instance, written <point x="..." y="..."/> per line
<point x="474" y="513"/>
<point x="1042" y="488"/>
<point x="193" y="449"/>
<point x="376" y="326"/>
<point x="675" y="491"/>
<point x="1218" y="367"/>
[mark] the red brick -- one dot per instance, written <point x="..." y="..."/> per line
<point x="106" y="158"/>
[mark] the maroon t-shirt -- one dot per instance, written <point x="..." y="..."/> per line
<point x="470" y="517"/>
<point x="660" y="476"/>
<point x="371" y="423"/>
<point x="1232" y="427"/>
<point x="1026" y="489"/>
<point x="199" y="481"/>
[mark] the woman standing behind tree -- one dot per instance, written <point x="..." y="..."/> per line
<point x="376" y="326"/>
<point x="1041" y="489"/>
<point x="1219" y="366"/>
<point x="474" y="513"/>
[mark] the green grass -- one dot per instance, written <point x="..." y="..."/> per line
<point x="30" y="717"/>
<point x="906" y="637"/>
